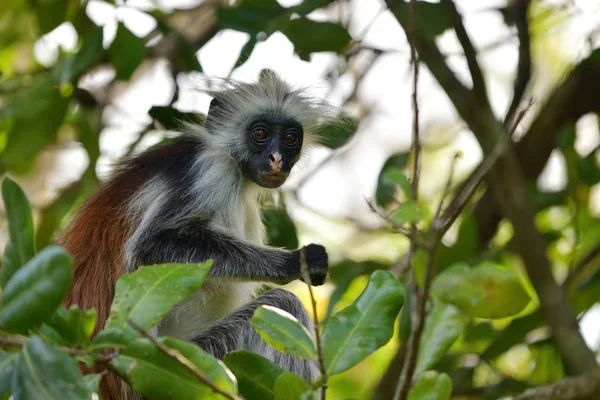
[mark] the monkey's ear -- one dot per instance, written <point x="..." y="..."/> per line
<point x="267" y="75"/>
<point x="214" y="110"/>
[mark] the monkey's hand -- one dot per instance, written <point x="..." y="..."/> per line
<point x="316" y="262"/>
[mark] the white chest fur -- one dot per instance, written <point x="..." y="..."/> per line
<point x="219" y="296"/>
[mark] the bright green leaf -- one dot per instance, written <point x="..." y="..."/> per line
<point x="386" y="191"/>
<point x="361" y="328"/>
<point x="127" y="52"/>
<point x="407" y="212"/>
<point x="43" y="372"/>
<point x="7" y="364"/>
<point x="283" y="331"/>
<point x="485" y="291"/>
<point x="443" y="326"/>
<point x="281" y="231"/>
<point x="157" y="376"/>
<point x="289" y="386"/>
<point x="20" y="228"/>
<point x="255" y="374"/>
<point x="36" y="290"/>
<point x="513" y="334"/>
<point x="146" y="295"/>
<point x="431" y="385"/>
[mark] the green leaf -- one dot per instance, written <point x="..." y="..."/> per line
<point x="289" y="386"/>
<point x="146" y="295"/>
<point x="395" y="176"/>
<point x="36" y="290"/>
<point x="256" y="375"/>
<point x="92" y="382"/>
<point x="405" y="315"/>
<point x="513" y="334"/>
<point x="251" y="16"/>
<point x="173" y="119"/>
<point x="587" y="169"/>
<point x="283" y="331"/>
<point x="336" y="133"/>
<point x="280" y="228"/>
<point x="361" y="328"/>
<point x="32" y="120"/>
<point x="407" y="212"/>
<point x="386" y="191"/>
<point x="324" y="36"/>
<point x="155" y="375"/>
<point x="443" y="326"/>
<point x="486" y="291"/>
<point x="127" y="52"/>
<point x="51" y="13"/>
<point x="10" y="263"/>
<point x="88" y="55"/>
<point x="75" y="326"/>
<point x="308" y="6"/>
<point x="432" y="18"/>
<point x="43" y="372"/>
<point x="20" y="228"/>
<point x="7" y="366"/>
<point x="431" y="385"/>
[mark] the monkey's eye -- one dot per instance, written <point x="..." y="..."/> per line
<point x="290" y="139"/>
<point x="260" y="135"/>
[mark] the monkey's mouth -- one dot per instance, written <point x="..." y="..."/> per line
<point x="272" y="179"/>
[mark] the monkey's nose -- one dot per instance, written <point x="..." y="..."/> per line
<point x="275" y="159"/>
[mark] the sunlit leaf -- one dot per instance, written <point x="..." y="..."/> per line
<point x="361" y="328"/>
<point x="289" y="386"/>
<point x="74" y="325"/>
<point x="155" y="375"/>
<point x="431" y="385"/>
<point x="283" y="331"/>
<point x="255" y="374"/>
<point x="513" y="334"/>
<point x="146" y="295"/>
<point x="485" y="291"/>
<point x="443" y="326"/>
<point x="36" y="290"/>
<point x="395" y="176"/>
<point x="407" y="212"/>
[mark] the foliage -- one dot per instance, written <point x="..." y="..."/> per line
<point x="481" y="307"/>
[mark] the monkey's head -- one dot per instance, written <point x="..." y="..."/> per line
<point x="264" y="126"/>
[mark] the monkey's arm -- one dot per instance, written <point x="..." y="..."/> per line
<point x="196" y="241"/>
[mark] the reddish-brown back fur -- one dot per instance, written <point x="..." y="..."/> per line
<point x="96" y="236"/>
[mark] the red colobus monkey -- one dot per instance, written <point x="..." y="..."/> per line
<point x="198" y="198"/>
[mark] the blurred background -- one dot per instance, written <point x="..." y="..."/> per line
<point x="84" y="84"/>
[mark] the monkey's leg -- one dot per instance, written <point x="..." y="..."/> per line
<point x="234" y="332"/>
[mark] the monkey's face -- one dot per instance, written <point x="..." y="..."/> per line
<point x="275" y="145"/>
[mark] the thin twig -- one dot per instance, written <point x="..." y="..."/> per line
<point x="479" y="87"/>
<point x="320" y="359"/>
<point x="459" y="202"/>
<point x="518" y="10"/>
<point x="184" y="362"/>
<point x="413" y="340"/>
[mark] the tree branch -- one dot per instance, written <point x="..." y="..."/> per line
<point x="508" y="185"/>
<point x="585" y="386"/>
<point x="518" y="12"/>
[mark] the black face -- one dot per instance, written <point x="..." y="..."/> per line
<point x="275" y="144"/>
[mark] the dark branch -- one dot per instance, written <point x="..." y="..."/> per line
<point x="585" y="386"/>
